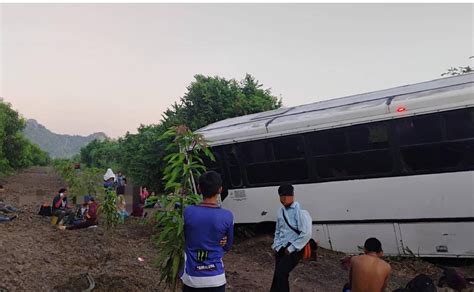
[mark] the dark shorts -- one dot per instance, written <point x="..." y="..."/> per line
<point x="210" y="289"/>
<point x="121" y="190"/>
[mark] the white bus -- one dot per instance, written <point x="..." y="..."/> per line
<point x="397" y="164"/>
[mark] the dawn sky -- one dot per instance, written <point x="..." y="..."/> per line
<point x="84" y="68"/>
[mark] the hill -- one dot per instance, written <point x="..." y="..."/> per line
<point x="57" y="145"/>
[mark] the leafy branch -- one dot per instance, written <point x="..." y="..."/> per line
<point x="182" y="167"/>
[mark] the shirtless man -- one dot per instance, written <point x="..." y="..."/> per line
<point x="368" y="272"/>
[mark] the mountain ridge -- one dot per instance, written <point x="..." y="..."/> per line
<point x="58" y="145"/>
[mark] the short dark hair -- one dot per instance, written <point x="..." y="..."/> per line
<point x="286" y="190"/>
<point x="373" y="245"/>
<point x="209" y="183"/>
<point x="62" y="190"/>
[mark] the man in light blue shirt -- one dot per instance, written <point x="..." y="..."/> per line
<point x="293" y="231"/>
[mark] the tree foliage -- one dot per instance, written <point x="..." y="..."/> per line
<point x="182" y="166"/>
<point x="207" y="100"/>
<point x="15" y="150"/>
<point x="80" y="182"/>
<point x="108" y="215"/>
<point x="211" y="99"/>
<point x="100" y="154"/>
<point x="455" y="71"/>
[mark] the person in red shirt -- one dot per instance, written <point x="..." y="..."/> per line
<point x="90" y="217"/>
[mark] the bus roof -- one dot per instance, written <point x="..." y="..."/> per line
<point x="436" y="95"/>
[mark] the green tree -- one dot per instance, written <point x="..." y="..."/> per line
<point x="207" y="100"/>
<point x="141" y="156"/>
<point x="101" y="154"/>
<point x="182" y="166"/>
<point x="211" y="99"/>
<point x="15" y="150"/>
<point x="455" y="71"/>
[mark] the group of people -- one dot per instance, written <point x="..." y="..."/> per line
<point x="7" y="212"/>
<point x="84" y="216"/>
<point x="208" y="230"/>
<point x="118" y="183"/>
<point x="70" y="217"/>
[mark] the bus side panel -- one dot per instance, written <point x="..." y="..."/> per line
<point x="439" y="239"/>
<point x="321" y="236"/>
<point x="349" y="238"/>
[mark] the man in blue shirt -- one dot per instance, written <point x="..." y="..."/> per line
<point x="208" y="231"/>
<point x="293" y="231"/>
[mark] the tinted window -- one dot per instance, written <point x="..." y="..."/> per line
<point x="438" y="157"/>
<point x="368" y="137"/>
<point x="328" y="142"/>
<point x="256" y="151"/>
<point x="288" y="148"/>
<point x="459" y="124"/>
<point x="232" y="161"/>
<point x="277" y="172"/>
<point x="209" y="163"/>
<point x="419" y="130"/>
<point x="357" y="164"/>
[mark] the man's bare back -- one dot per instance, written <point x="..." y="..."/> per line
<point x="369" y="273"/>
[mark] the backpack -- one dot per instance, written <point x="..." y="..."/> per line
<point x="45" y="210"/>
<point x="421" y="283"/>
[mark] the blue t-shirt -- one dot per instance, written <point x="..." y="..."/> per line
<point x="204" y="227"/>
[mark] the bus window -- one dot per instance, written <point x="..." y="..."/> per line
<point x="277" y="172"/>
<point x="419" y="130"/>
<point x="217" y="166"/>
<point x="288" y="148"/>
<point x="256" y="151"/>
<point x="232" y="162"/>
<point x="276" y="160"/>
<point x="459" y="124"/>
<point x="366" y="155"/>
<point x="368" y="137"/>
<point x="328" y="142"/>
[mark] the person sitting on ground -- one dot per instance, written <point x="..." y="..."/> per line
<point x="122" y="208"/>
<point x="4" y="207"/>
<point x="144" y="195"/>
<point x="90" y="218"/>
<point x="368" y="272"/>
<point x="5" y="218"/>
<point x="152" y="201"/>
<point x="61" y="209"/>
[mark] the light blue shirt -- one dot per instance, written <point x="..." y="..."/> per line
<point x="299" y="219"/>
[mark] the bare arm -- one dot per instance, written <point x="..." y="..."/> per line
<point x="387" y="278"/>
<point x="350" y="277"/>
<point x="350" y="271"/>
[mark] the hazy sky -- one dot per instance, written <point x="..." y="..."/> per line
<point x="83" y="68"/>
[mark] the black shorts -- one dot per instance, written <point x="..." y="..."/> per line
<point x="120" y="190"/>
<point x="209" y="289"/>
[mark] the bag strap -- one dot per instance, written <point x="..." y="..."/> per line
<point x="287" y="223"/>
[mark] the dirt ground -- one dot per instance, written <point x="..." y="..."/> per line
<point x="35" y="256"/>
